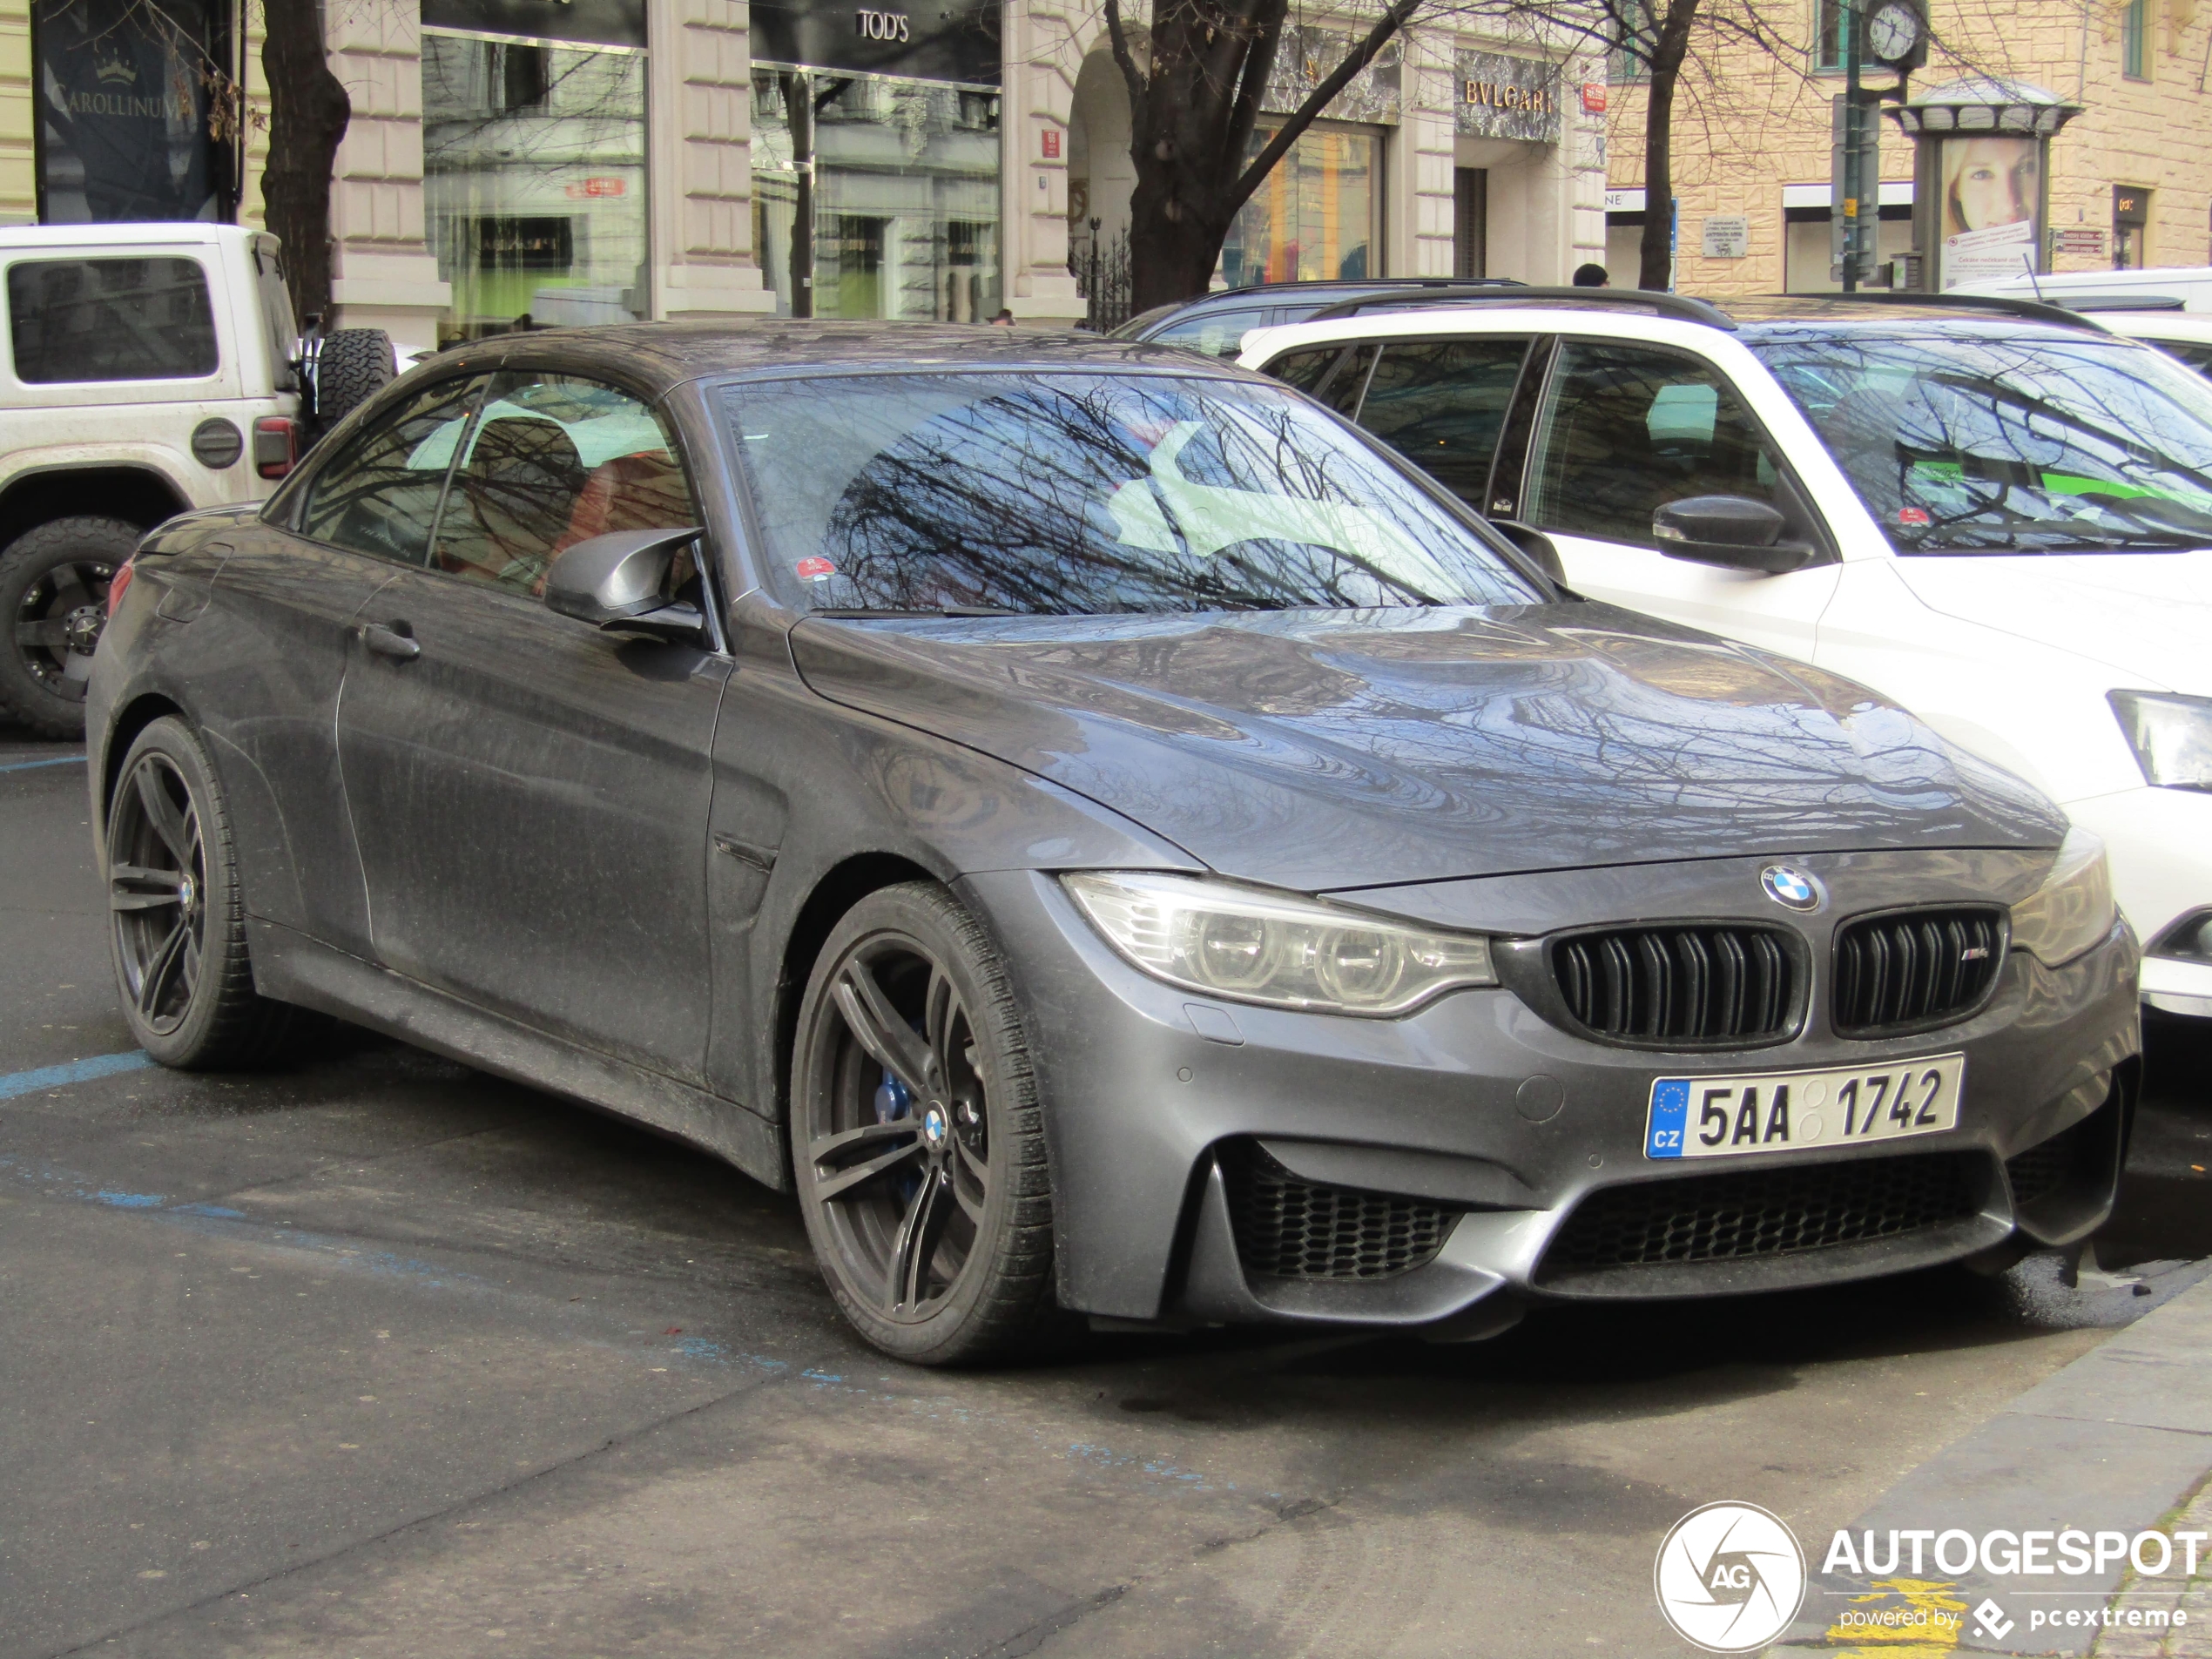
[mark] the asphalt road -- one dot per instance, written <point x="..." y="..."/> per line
<point x="382" y="1356"/>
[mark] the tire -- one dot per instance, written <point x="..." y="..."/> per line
<point x="53" y="592"/>
<point x="935" y="1238"/>
<point x="177" y="927"/>
<point x="352" y="366"/>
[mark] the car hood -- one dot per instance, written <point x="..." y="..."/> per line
<point x="1319" y="749"/>
<point x="2146" y="616"/>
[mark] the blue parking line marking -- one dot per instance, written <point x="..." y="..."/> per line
<point x="76" y="1071"/>
<point x="32" y="766"/>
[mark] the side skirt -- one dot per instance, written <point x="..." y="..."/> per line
<point x="291" y="968"/>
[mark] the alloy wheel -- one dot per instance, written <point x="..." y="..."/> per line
<point x="898" y="1133"/>
<point x="157" y="891"/>
<point x="59" y="624"/>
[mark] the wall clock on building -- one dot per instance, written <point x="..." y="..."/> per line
<point x="1894" y="34"/>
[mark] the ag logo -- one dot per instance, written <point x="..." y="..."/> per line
<point x="1791" y="888"/>
<point x="1730" y="1577"/>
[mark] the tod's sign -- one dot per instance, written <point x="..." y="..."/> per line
<point x="943" y="40"/>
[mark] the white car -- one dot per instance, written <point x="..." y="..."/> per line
<point x="2002" y="524"/>
<point x="148" y="369"/>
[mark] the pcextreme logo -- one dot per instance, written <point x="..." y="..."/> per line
<point x="1730" y="1577"/>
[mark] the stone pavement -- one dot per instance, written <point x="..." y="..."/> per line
<point x="2102" y="1471"/>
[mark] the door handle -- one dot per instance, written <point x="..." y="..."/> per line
<point x="397" y="640"/>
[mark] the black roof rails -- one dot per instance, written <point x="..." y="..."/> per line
<point x="2123" y="302"/>
<point x="1679" y="306"/>
<point x="2004" y="305"/>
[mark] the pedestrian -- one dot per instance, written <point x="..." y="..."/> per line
<point x="1592" y="275"/>
<point x="1004" y="320"/>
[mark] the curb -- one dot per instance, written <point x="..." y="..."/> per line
<point x="2115" y="1442"/>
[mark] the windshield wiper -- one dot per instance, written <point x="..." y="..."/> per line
<point x="870" y="613"/>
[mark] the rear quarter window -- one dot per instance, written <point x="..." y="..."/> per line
<point x="71" y="321"/>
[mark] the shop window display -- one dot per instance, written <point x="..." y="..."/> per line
<point x="905" y="201"/>
<point x="1314" y="217"/>
<point x="534" y="182"/>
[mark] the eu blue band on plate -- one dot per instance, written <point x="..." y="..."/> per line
<point x="1669" y="1117"/>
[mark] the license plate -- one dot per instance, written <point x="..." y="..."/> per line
<point x="1776" y="1111"/>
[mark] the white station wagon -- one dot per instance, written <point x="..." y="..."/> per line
<point x="1995" y="513"/>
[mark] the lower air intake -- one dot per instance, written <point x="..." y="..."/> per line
<point x="1750" y="1213"/>
<point x="1287" y="1227"/>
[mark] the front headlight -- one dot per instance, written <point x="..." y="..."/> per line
<point x="2072" y="909"/>
<point x="2171" y="736"/>
<point x="1251" y="946"/>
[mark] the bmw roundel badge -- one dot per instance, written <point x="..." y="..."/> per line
<point x="1792" y="888"/>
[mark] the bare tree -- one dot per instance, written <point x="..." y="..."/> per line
<point x="1192" y="108"/>
<point x="308" y="114"/>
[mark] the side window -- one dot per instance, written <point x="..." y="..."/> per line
<point x="1305" y="369"/>
<point x="380" y="493"/>
<point x="110" y="320"/>
<point x="1626" y="429"/>
<point x="1441" y="404"/>
<point x="1342" y="390"/>
<point x="1217" y="334"/>
<point x="552" y="462"/>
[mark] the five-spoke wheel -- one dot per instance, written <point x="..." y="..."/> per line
<point x="915" y="1133"/>
<point x="176" y="928"/>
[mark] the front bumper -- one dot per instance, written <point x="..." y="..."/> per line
<point x="1476" y="1116"/>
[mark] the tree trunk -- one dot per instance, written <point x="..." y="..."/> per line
<point x="1655" y="260"/>
<point x="308" y="114"/>
<point x="1172" y="246"/>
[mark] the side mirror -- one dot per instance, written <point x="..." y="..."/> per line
<point x="1538" y="547"/>
<point x="1730" y="530"/>
<point x="615" y="582"/>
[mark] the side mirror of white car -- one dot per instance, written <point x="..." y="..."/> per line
<point x="1730" y="531"/>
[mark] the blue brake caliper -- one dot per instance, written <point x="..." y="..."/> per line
<point x="894" y="1100"/>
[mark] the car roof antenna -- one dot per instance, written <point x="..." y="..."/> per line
<point x="2029" y="259"/>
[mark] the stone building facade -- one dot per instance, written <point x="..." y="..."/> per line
<point x="580" y="160"/>
<point x="2130" y="178"/>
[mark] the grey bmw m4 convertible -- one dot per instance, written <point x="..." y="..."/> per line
<point x="1108" y="837"/>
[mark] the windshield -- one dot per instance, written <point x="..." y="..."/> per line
<point x="1961" y="444"/>
<point x="1069" y="493"/>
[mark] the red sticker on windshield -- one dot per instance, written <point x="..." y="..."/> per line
<point x="1912" y="515"/>
<point x="814" y="569"/>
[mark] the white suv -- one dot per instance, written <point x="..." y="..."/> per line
<point x="148" y="369"/>
<point x="1998" y="515"/>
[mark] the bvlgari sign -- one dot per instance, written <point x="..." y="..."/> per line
<point x="1502" y="97"/>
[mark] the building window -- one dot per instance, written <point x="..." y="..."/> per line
<point x="123" y="111"/>
<point x="534" y="182"/>
<point x="2130" y="227"/>
<point x="1315" y="217"/>
<point x="2135" y="27"/>
<point x="905" y="201"/>
<point x="1831" y="21"/>
<point x="1629" y="60"/>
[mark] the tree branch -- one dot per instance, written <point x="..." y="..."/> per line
<point x="1400" y="12"/>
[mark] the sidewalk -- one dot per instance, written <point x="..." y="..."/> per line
<point x="2119" y="1442"/>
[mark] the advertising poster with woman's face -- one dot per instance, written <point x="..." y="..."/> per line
<point x="1991" y="189"/>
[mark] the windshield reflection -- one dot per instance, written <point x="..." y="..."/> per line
<point x="1973" y="445"/>
<point x="1087" y="495"/>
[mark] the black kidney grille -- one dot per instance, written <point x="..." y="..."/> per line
<point x="1916" y="967"/>
<point x="1760" y="1213"/>
<point x="1290" y="1228"/>
<point x="1689" y="984"/>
